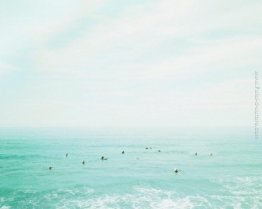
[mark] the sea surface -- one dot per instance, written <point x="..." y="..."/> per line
<point x="140" y="178"/>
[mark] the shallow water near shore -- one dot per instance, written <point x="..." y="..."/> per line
<point x="139" y="178"/>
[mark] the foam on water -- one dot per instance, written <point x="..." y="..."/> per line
<point x="5" y="207"/>
<point x="137" y="198"/>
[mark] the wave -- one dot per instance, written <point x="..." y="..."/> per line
<point x="152" y="198"/>
<point x="136" y="198"/>
<point x="139" y="198"/>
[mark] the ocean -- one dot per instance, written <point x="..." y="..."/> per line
<point x="226" y="172"/>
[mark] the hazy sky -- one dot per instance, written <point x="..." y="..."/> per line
<point x="129" y="62"/>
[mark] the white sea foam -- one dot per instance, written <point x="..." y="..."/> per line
<point x="152" y="198"/>
<point x="5" y="207"/>
<point x="139" y="198"/>
<point x="243" y="186"/>
<point x="2" y="201"/>
<point x="243" y="192"/>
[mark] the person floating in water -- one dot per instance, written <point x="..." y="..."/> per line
<point x="196" y="154"/>
<point x="66" y="154"/>
<point x="103" y="158"/>
<point x="123" y="152"/>
<point x="50" y="168"/>
<point x="83" y="162"/>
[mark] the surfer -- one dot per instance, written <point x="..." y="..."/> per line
<point x="50" y="168"/>
<point x="66" y="154"/>
<point x="83" y="162"/>
<point x="123" y="152"/>
<point x="159" y="150"/>
<point x="196" y="154"/>
<point x="103" y="158"/>
<point x="176" y="170"/>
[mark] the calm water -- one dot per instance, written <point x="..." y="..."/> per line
<point x="140" y="178"/>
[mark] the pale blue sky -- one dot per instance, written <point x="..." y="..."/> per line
<point x="129" y="63"/>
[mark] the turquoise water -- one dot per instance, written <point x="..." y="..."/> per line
<point x="140" y="179"/>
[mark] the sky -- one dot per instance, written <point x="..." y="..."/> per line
<point x="129" y="63"/>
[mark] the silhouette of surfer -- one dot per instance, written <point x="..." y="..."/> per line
<point x="103" y="158"/>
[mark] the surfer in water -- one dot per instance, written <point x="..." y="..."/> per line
<point x="83" y="162"/>
<point x="123" y="152"/>
<point x="103" y="158"/>
<point x="196" y="154"/>
<point x="50" y="168"/>
<point x="176" y="170"/>
<point x="66" y="154"/>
